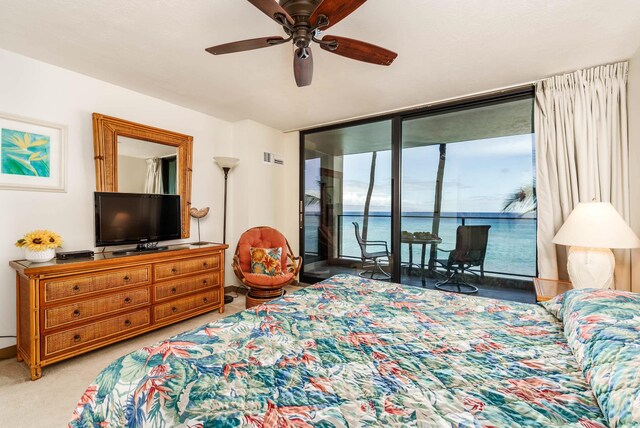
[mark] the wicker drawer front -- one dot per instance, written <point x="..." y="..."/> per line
<point x="171" y="289"/>
<point x="186" y="266"/>
<point x="91" y="333"/>
<point x="58" y="289"/>
<point x="87" y="309"/>
<point x="180" y="306"/>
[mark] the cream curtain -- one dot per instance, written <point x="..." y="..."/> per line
<point x="582" y="154"/>
<point x="153" y="181"/>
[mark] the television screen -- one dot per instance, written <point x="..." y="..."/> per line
<point x="136" y="218"/>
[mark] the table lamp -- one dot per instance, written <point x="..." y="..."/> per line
<point x="591" y="230"/>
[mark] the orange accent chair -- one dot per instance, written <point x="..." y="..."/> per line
<point x="263" y="288"/>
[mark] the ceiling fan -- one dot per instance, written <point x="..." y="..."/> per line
<point x="302" y="21"/>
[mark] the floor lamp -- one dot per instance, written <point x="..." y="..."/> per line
<point x="226" y="163"/>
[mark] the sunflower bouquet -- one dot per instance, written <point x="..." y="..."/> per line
<point x="40" y="240"/>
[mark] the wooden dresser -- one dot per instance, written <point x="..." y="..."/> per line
<point x="66" y="308"/>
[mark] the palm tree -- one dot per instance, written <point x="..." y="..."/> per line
<point x="437" y="204"/>
<point x="367" y="203"/>
<point x="523" y="200"/>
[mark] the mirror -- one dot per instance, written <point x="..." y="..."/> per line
<point x="145" y="167"/>
<point x="136" y="158"/>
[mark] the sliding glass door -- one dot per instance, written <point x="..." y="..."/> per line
<point x="347" y="180"/>
<point x="410" y="180"/>
<point x="469" y="167"/>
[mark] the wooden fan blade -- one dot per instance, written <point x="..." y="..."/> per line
<point x="335" y="10"/>
<point x="271" y="8"/>
<point x="245" y="45"/>
<point x="360" y="51"/>
<point x="303" y="66"/>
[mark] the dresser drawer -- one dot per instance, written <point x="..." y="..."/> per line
<point x="91" y="333"/>
<point x="57" y="289"/>
<point x="88" y="309"/>
<point x="186" y="266"/>
<point x="179" y="307"/>
<point x="171" y="289"/>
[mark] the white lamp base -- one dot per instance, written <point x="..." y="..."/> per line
<point x="591" y="267"/>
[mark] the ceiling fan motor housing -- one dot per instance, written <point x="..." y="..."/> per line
<point x="300" y="11"/>
<point x="300" y="8"/>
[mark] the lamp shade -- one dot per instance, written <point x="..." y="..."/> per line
<point x="226" y="162"/>
<point x="596" y="225"/>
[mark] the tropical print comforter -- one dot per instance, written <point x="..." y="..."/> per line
<point x="602" y="328"/>
<point x="357" y="353"/>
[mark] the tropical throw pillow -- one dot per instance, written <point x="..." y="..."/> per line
<point x="266" y="261"/>
<point x="602" y="328"/>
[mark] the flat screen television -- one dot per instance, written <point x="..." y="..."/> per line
<point x="136" y="218"/>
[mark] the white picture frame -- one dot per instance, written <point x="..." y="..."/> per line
<point x="33" y="154"/>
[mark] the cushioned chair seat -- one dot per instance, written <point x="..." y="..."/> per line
<point x="257" y="279"/>
<point x="263" y="288"/>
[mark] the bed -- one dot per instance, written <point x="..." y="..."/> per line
<point x="355" y="352"/>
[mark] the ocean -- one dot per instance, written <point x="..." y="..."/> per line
<point x="511" y="248"/>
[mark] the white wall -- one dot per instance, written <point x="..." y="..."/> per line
<point x="256" y="186"/>
<point x="41" y="91"/>
<point x="634" y="161"/>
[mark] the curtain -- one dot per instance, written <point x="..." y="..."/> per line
<point x="582" y="154"/>
<point x="153" y="181"/>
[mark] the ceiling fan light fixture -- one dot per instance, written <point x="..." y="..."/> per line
<point x="304" y="21"/>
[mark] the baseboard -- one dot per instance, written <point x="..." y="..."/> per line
<point x="9" y="352"/>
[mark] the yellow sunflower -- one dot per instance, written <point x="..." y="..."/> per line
<point x="40" y="240"/>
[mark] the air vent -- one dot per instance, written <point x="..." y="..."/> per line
<point x="272" y="158"/>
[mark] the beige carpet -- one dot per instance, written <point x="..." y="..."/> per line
<point x="49" y="401"/>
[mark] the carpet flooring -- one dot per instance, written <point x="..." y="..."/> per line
<point x="49" y="401"/>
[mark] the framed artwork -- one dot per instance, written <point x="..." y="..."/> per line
<point x="32" y="154"/>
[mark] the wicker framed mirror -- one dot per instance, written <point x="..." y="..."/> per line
<point x="109" y="132"/>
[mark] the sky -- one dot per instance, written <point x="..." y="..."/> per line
<point x="479" y="176"/>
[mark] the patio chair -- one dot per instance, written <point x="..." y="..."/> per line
<point x="371" y="259"/>
<point x="470" y="251"/>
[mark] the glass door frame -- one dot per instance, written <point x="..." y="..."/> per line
<point x="397" y="119"/>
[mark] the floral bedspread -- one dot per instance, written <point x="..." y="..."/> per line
<point x="353" y="352"/>
<point x="603" y="330"/>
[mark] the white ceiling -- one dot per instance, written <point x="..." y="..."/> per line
<point x="446" y="49"/>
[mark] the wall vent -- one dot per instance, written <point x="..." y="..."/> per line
<point x="272" y="158"/>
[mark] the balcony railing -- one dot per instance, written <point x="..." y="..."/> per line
<point x="511" y="250"/>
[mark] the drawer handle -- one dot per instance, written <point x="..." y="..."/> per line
<point x="76" y="338"/>
<point x="205" y="282"/>
<point x="174" y="309"/>
<point x="174" y="270"/>
<point x="127" y="323"/>
<point x="205" y="264"/>
<point x="127" y="299"/>
<point x="76" y="313"/>
<point x="76" y="288"/>
<point x="174" y="290"/>
<point x="126" y="278"/>
<point x="205" y="300"/>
